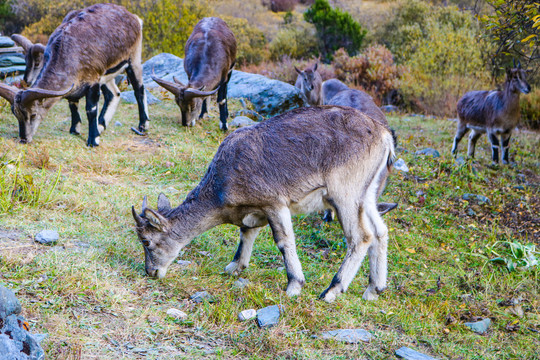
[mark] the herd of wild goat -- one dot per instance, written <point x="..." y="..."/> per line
<point x="333" y="156"/>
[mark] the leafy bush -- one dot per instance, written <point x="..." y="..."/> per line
<point x="295" y="40"/>
<point x="530" y="109"/>
<point x="250" y="41"/>
<point x="374" y="71"/>
<point x="335" y="29"/>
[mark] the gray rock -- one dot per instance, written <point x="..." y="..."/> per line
<point x="183" y="263"/>
<point x="129" y="96"/>
<point x="6" y="42"/>
<point x="201" y="296"/>
<point x="460" y="161"/>
<point x="247" y="315"/>
<point x="163" y="66"/>
<point x="8" y="303"/>
<point x="241" y="283"/>
<point x="241" y="121"/>
<point x="47" y="237"/>
<point x="118" y="123"/>
<point x="428" y="152"/>
<point x="177" y="314"/>
<point x="12" y="70"/>
<point x="410" y="354"/>
<point x="479" y="327"/>
<point x="389" y="108"/>
<point x="14" y="338"/>
<point x="481" y="199"/>
<point x="248" y="113"/>
<point x="11" y="60"/>
<point x="401" y="165"/>
<point x="471" y="212"/>
<point x="268" y="316"/>
<point x="350" y="336"/>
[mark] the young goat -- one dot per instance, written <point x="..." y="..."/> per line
<point x="210" y="56"/>
<point x="34" y="54"/>
<point x="306" y="160"/>
<point x="494" y="112"/>
<point x="91" y="48"/>
<point x="337" y="93"/>
<point x="309" y="82"/>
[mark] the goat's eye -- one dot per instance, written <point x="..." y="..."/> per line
<point x="145" y="242"/>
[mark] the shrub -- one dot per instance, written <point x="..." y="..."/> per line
<point x="295" y="40"/>
<point x="335" y="29"/>
<point x="374" y="71"/>
<point x="250" y="41"/>
<point x="530" y="109"/>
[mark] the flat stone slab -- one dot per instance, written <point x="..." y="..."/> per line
<point x="481" y="199"/>
<point x="8" y="303"/>
<point x="349" y="336"/>
<point x="177" y="314"/>
<point x="47" y="237"/>
<point x="428" y="152"/>
<point x="6" y="42"/>
<point x="410" y="354"/>
<point x="201" y="296"/>
<point x="129" y="97"/>
<point x="268" y="316"/>
<point x="479" y="327"/>
<point x="247" y="315"/>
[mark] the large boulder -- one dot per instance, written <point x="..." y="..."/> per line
<point x="269" y="97"/>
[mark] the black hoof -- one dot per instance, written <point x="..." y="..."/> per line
<point x="138" y="131"/>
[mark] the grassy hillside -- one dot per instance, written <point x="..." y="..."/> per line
<point x="89" y="293"/>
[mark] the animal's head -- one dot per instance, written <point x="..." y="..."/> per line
<point x="517" y="79"/>
<point x="308" y="76"/>
<point x="29" y="107"/>
<point x="155" y="233"/>
<point x="188" y="99"/>
<point x="34" y="57"/>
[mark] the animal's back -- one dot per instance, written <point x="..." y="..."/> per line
<point x="476" y="107"/>
<point x="330" y="88"/>
<point x="294" y="153"/>
<point x="94" y="38"/>
<point x="360" y="101"/>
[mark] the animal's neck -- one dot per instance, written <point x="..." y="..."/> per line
<point x="193" y="217"/>
<point x="511" y="98"/>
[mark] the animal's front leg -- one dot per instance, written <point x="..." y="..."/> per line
<point x="75" y="117"/>
<point x="505" y="146"/>
<point x="204" y="108"/>
<point x="223" y="109"/>
<point x="243" y="253"/>
<point x="494" y="146"/>
<point x="281" y="224"/>
<point x="111" y="95"/>
<point x="134" y="74"/>
<point x="92" y="99"/>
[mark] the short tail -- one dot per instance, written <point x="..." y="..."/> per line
<point x="391" y="142"/>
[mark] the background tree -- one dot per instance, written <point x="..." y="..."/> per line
<point x="335" y="29"/>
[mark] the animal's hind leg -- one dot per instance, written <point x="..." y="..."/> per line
<point x="111" y="93"/>
<point x="461" y="131"/>
<point x="377" y="252"/>
<point x="222" y="101"/>
<point x="282" y="229"/>
<point x="134" y="74"/>
<point x="75" y="117"/>
<point x="243" y="253"/>
<point x="494" y="146"/>
<point x="505" y="137"/>
<point x="359" y="239"/>
<point x="204" y="108"/>
<point x="473" y="138"/>
<point x="92" y="99"/>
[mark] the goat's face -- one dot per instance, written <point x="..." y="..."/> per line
<point x="308" y="78"/>
<point x="517" y="78"/>
<point x="154" y="231"/>
<point x="29" y="115"/>
<point x="190" y="108"/>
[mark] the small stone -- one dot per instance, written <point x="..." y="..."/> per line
<point x="47" y="237"/>
<point x="183" y="263"/>
<point x="247" y="315"/>
<point x="201" y="296"/>
<point x="471" y="212"/>
<point x="479" y="327"/>
<point x="460" y="161"/>
<point x="9" y="304"/>
<point x="118" y="123"/>
<point x="241" y="121"/>
<point x="268" y="316"/>
<point x="389" y="108"/>
<point x="420" y="193"/>
<point x="177" y="314"/>
<point x="481" y="199"/>
<point x="153" y="319"/>
<point x="401" y="165"/>
<point x="428" y="152"/>
<point x="241" y="283"/>
<point x="349" y="336"/>
<point x="410" y="354"/>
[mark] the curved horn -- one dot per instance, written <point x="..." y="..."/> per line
<point x="33" y="94"/>
<point x="178" y="81"/>
<point x="22" y="42"/>
<point x="144" y="203"/>
<point x="172" y="87"/>
<point x="138" y="219"/>
<point x="298" y="71"/>
<point x="193" y="93"/>
<point x="8" y="92"/>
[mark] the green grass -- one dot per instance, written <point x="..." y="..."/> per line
<point x="90" y="293"/>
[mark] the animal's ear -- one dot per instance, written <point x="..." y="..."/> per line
<point x="156" y="220"/>
<point x="383" y="208"/>
<point x="315" y="67"/>
<point x="163" y="203"/>
<point x="37" y="53"/>
<point x="138" y="219"/>
<point x="298" y="71"/>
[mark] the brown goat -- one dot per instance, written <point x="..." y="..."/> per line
<point x="305" y="160"/>
<point x="210" y="57"/>
<point x="95" y="45"/>
<point x="494" y="112"/>
<point x="309" y="82"/>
